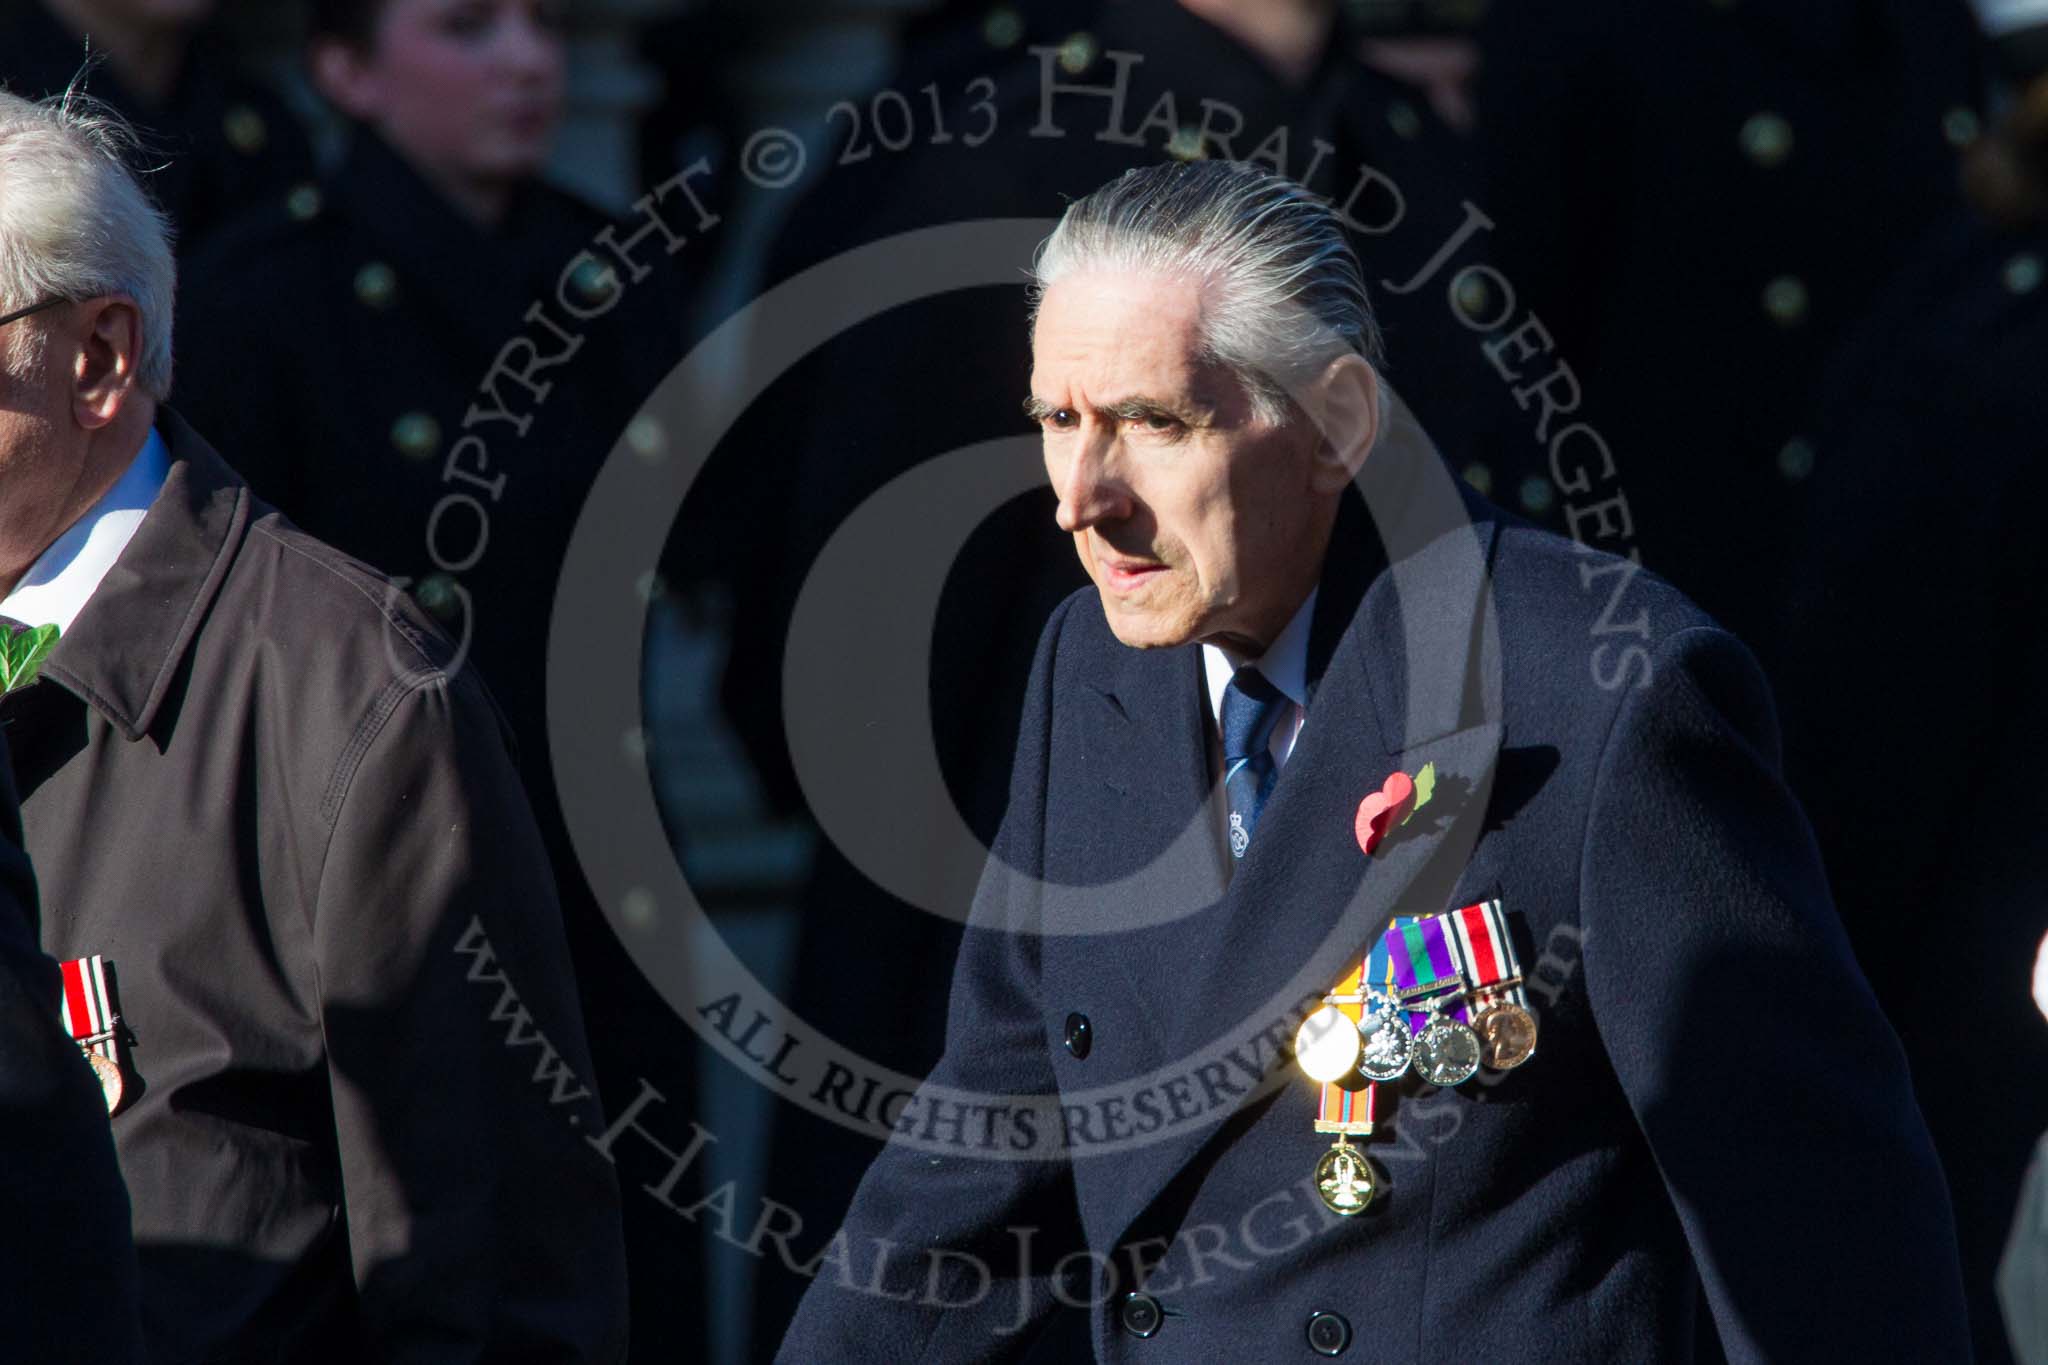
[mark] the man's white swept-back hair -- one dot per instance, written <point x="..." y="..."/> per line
<point x="1284" y="294"/>
<point x="75" y="224"/>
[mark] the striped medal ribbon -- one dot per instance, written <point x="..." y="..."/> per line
<point x="1346" y="1104"/>
<point x="1344" y="1176"/>
<point x="1500" y="1005"/>
<point x="88" y="1014"/>
<point x="1447" y="1051"/>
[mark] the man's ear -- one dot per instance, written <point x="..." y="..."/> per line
<point x="109" y="355"/>
<point x="344" y="79"/>
<point x="1349" y="390"/>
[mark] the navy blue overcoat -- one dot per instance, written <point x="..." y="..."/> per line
<point x="1715" y="1146"/>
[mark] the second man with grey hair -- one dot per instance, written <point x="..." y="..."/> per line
<point x="279" y="837"/>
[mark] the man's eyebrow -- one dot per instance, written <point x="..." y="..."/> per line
<point x="1191" y="411"/>
<point x="1196" y="410"/>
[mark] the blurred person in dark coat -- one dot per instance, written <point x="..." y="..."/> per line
<point x="348" y="1079"/>
<point x="1281" y="81"/>
<point x="425" y="363"/>
<point x="1697" y="199"/>
<point x="1917" y="611"/>
<point x="71" y="1293"/>
<point x="220" y="138"/>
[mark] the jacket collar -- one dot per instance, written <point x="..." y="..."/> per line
<point x="67" y="573"/>
<point x="123" y="652"/>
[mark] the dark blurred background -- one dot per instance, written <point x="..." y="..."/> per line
<point x="1787" y="258"/>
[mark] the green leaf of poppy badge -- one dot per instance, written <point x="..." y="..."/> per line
<point x="1425" y="787"/>
<point x="21" y="655"/>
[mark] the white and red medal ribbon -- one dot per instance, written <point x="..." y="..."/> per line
<point x="88" y="1008"/>
<point x="87" y="1011"/>
<point x="1485" y="953"/>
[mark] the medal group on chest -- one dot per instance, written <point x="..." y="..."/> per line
<point x="1440" y="997"/>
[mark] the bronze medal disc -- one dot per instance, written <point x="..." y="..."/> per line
<point x="109" y="1073"/>
<point x="1345" y="1180"/>
<point x="1507" y="1035"/>
<point x="1446" y="1053"/>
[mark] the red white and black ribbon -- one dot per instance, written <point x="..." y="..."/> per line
<point x="1484" y="951"/>
<point x="88" y="1007"/>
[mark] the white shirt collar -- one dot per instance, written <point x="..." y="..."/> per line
<point x="1285" y="662"/>
<point x="57" y="586"/>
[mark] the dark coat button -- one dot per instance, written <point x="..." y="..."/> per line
<point x="1080" y="1037"/>
<point x="1328" y="1334"/>
<point x="1140" y="1314"/>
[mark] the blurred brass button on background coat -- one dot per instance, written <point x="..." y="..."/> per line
<point x="416" y="435"/>
<point x="246" y="131"/>
<point x="1785" y="300"/>
<point x="377" y="285"/>
<point x="1767" y="138"/>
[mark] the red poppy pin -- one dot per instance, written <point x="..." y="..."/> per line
<point x="1393" y="804"/>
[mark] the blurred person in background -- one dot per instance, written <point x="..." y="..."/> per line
<point x="344" y="1059"/>
<point x="219" y="138"/>
<point x="1915" y="615"/>
<point x="1697" y="199"/>
<point x="344" y="351"/>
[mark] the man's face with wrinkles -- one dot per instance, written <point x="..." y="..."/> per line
<point x="1196" y="519"/>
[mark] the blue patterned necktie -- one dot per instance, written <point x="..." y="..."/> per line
<point x="1251" y="708"/>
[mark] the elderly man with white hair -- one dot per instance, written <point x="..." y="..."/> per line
<point x="1400" y="943"/>
<point x="280" y="839"/>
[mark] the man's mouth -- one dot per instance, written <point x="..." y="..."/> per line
<point x="1123" y="575"/>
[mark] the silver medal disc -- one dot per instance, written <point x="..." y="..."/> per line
<point x="1388" y="1046"/>
<point x="1446" y="1053"/>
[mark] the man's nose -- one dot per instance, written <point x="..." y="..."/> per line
<point x="1089" y="490"/>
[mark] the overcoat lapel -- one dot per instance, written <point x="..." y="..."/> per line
<point x="1154" y="857"/>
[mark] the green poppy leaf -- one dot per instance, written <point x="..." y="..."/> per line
<point x="1425" y="787"/>
<point x="21" y="656"/>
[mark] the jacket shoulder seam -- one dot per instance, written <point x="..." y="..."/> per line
<point x="393" y="620"/>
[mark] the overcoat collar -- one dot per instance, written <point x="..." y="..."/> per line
<point x="123" y="652"/>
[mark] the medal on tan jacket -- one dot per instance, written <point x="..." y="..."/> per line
<point x="89" y="1016"/>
